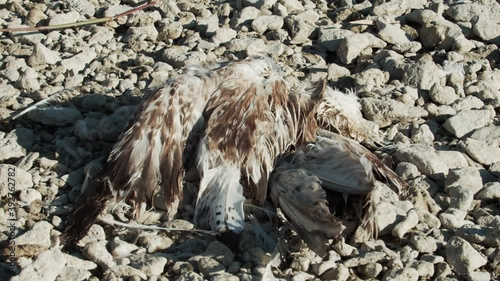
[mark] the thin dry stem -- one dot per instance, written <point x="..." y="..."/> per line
<point x="80" y="23"/>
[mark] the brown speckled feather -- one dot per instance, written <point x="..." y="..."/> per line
<point x="148" y="158"/>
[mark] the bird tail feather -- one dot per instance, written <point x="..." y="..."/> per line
<point x="220" y="200"/>
<point x="87" y="208"/>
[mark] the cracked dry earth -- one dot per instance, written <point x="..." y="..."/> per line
<point x="426" y="73"/>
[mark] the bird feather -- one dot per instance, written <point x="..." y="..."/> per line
<point x="220" y="204"/>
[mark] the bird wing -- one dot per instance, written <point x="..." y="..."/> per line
<point x="149" y="156"/>
<point x="303" y="201"/>
<point x="345" y="165"/>
<point x="339" y="163"/>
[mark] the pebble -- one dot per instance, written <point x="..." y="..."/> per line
<point x="38" y="235"/>
<point x="223" y="35"/>
<point x="385" y="112"/>
<point x="55" y="115"/>
<point x="363" y="259"/>
<point x="22" y="179"/>
<point x="424" y="157"/>
<point x="28" y="196"/>
<point x="149" y="264"/>
<point x="483" y="152"/>
<point x="154" y="243"/>
<point x="491" y="191"/>
<point x="262" y="24"/>
<point x="47" y="266"/>
<point x="462" y="256"/>
<point x="96" y="251"/>
<point x="121" y="249"/>
<point x="78" y="62"/>
<point x="423" y="244"/>
<point x="352" y="46"/>
<point x="468" y="120"/>
<point x="43" y="56"/>
<point x="409" y="222"/>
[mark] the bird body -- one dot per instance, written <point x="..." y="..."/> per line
<point x="238" y="128"/>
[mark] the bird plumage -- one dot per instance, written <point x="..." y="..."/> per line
<point x="228" y="126"/>
<point x="253" y="118"/>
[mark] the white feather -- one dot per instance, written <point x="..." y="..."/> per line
<point x="220" y="200"/>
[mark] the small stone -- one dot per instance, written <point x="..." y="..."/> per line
<point x="78" y="62"/>
<point x="371" y="270"/>
<point x="391" y="34"/>
<point x="9" y="173"/>
<point x="478" y="276"/>
<point x="443" y="95"/>
<point x="462" y="256"/>
<point x="491" y="191"/>
<point x="224" y="35"/>
<point x="300" y="264"/>
<point x="55" y="115"/>
<point x="95" y="233"/>
<point x="344" y="249"/>
<point x="29" y="80"/>
<point x="423" y="74"/>
<point x="339" y="273"/>
<point x="154" y="243"/>
<point x="424" y="157"/>
<point x="83" y="7"/>
<point x="96" y="251"/>
<point x="120" y="272"/>
<point x="293" y="6"/>
<point x="468" y="103"/>
<point x="29" y="195"/>
<point x="466" y="121"/>
<point x="69" y="17"/>
<point x="330" y="37"/>
<point x="264" y="23"/>
<point x="486" y="235"/>
<point x="38" y="235"/>
<point x="363" y="259"/>
<point x="468" y="177"/>
<point x="121" y="249"/>
<point x="93" y="101"/>
<point x="43" y="56"/>
<point x="407" y="170"/>
<point x="454" y="159"/>
<point x="26" y="37"/>
<point x="74" y="274"/>
<point x="483" y="152"/>
<point x="453" y="218"/>
<point x="409" y="222"/>
<point x="220" y="253"/>
<point x="403" y="274"/>
<point x="424" y="244"/>
<point x="352" y="46"/>
<point x="209" y="266"/>
<point x="47" y="266"/>
<point x="425" y="269"/>
<point x="149" y="264"/>
<point x="422" y="134"/>
<point x="385" y="112"/>
<point x="461" y="197"/>
<point x="335" y="72"/>
<point x="86" y="129"/>
<point x="428" y="218"/>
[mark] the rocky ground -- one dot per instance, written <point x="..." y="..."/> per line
<point x="427" y="73"/>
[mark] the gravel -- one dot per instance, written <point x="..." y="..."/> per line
<point x="427" y="73"/>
